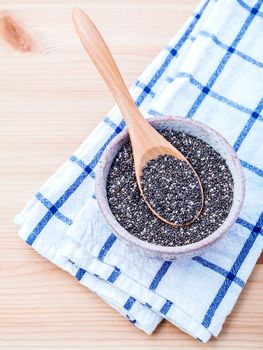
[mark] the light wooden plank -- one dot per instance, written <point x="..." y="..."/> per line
<point x="42" y="307"/>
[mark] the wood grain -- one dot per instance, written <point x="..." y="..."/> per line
<point x="50" y="98"/>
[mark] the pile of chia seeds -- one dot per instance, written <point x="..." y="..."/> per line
<point x="130" y="210"/>
<point x="172" y="189"/>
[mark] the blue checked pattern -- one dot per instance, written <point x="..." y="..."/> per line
<point x="106" y="247"/>
<point x="232" y="273"/>
<point x="146" y="91"/>
<point x="159" y="275"/>
<point x="206" y="89"/>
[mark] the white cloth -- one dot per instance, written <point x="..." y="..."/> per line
<point x="212" y="72"/>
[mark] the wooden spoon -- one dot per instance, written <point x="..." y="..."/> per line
<point x="146" y="142"/>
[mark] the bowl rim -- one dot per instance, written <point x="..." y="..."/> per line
<point x="166" y="250"/>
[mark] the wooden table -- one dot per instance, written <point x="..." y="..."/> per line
<point x="51" y="97"/>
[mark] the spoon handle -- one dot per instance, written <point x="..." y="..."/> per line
<point x="103" y="60"/>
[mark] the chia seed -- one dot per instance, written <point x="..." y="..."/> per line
<point x="172" y="189"/>
<point x="130" y="210"/>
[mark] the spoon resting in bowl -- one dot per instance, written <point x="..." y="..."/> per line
<point x="183" y="204"/>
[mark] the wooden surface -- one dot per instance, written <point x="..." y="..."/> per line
<point x="50" y="98"/>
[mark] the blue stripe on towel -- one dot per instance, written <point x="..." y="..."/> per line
<point x="84" y="166"/>
<point x="145" y="88"/>
<point x="248" y="8"/>
<point x="129" y="303"/>
<point x="114" y="275"/>
<point x="106" y="247"/>
<point x="251" y="121"/>
<point x="244" y="223"/>
<point x="115" y="127"/>
<point x="226" y="47"/>
<point x="160" y="274"/>
<point x="166" y="307"/>
<point x="219" y="269"/>
<point x="132" y="321"/>
<point x="251" y="167"/>
<point x="148" y="305"/>
<point x="154" y="113"/>
<point x="235" y="268"/>
<point x="53" y="209"/>
<point x="80" y="274"/>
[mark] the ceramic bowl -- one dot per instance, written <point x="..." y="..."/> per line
<point x="193" y="128"/>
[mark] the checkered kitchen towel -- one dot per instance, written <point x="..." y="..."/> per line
<point x="212" y="72"/>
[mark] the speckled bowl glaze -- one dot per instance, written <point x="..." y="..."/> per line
<point x="193" y="128"/>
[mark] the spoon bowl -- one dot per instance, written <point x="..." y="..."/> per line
<point x="191" y="127"/>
